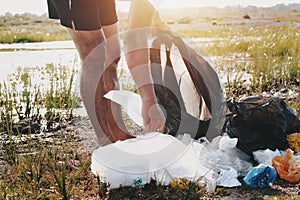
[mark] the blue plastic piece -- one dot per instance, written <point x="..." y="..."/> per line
<point x="139" y="182"/>
<point x="261" y="176"/>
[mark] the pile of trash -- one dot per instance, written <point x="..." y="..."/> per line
<point x="219" y="162"/>
<point x="264" y="126"/>
<point x="162" y="157"/>
<point x="256" y="144"/>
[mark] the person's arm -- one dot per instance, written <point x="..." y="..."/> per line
<point x="140" y="21"/>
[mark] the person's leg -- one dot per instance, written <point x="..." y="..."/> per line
<point x="115" y="119"/>
<point x="84" y="20"/>
<point x="91" y="48"/>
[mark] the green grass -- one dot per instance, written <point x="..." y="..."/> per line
<point x="31" y="34"/>
<point x="270" y="55"/>
<point x="30" y="28"/>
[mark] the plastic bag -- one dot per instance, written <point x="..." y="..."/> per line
<point x="130" y="102"/>
<point x="155" y="156"/>
<point x="187" y="87"/>
<point x="221" y="154"/>
<point x="229" y="178"/>
<point x="261" y="123"/>
<point x="287" y="167"/>
<point x="294" y="141"/>
<point x="261" y="176"/>
<point x="265" y="156"/>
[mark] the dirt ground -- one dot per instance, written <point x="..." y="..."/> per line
<point x="281" y="189"/>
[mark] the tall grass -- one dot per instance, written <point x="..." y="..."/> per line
<point x="255" y="59"/>
<point x="34" y="93"/>
<point x="271" y="56"/>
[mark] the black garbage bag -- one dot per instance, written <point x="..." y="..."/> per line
<point x="260" y="123"/>
<point x="187" y="88"/>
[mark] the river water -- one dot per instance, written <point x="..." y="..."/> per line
<point x="13" y="56"/>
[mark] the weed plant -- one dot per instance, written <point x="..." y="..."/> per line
<point x="36" y="93"/>
<point x="273" y="57"/>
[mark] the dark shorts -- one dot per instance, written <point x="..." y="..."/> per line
<point x="83" y="14"/>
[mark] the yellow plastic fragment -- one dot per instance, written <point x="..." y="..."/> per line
<point x="294" y="141"/>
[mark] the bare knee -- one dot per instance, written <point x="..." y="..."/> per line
<point x="86" y="41"/>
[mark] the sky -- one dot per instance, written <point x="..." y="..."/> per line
<point x="40" y="6"/>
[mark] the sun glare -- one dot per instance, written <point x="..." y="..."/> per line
<point x="220" y="3"/>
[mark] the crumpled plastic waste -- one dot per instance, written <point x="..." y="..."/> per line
<point x="156" y="156"/>
<point x="222" y="154"/>
<point x="221" y="150"/>
<point x="265" y="156"/>
<point x="153" y="157"/>
<point x="261" y="176"/>
<point x="287" y="167"/>
<point x="229" y="178"/>
<point x="162" y="157"/>
<point x="294" y="141"/>
<point x="130" y="102"/>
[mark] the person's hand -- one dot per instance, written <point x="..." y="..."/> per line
<point x="153" y="116"/>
